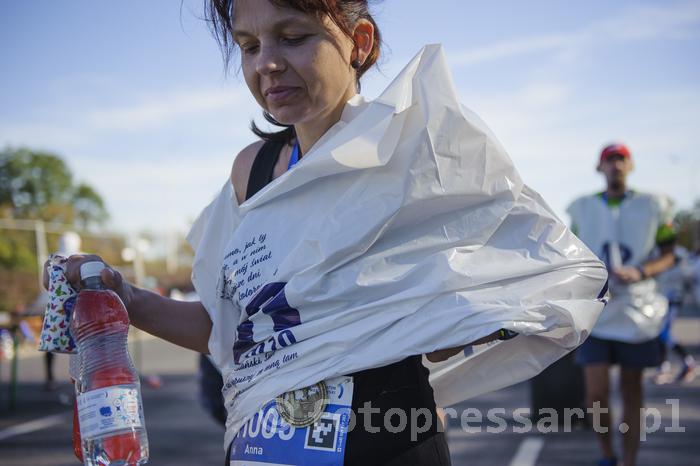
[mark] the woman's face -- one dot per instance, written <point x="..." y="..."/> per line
<point x="296" y="66"/>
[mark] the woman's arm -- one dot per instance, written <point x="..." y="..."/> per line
<point x="183" y="323"/>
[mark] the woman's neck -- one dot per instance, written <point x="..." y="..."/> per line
<point x="308" y="133"/>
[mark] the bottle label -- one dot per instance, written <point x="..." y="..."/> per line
<point x="110" y="409"/>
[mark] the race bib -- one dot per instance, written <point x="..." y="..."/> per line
<point x="276" y="435"/>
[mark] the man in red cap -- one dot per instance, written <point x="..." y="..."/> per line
<point x="631" y="231"/>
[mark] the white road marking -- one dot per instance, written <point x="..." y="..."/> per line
<point x="31" y="426"/>
<point x="528" y="451"/>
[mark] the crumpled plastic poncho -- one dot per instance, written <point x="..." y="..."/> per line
<point x="405" y="229"/>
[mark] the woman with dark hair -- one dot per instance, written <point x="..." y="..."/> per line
<point x="302" y="61"/>
<point x="356" y="239"/>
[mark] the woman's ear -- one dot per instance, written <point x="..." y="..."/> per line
<point x="363" y="37"/>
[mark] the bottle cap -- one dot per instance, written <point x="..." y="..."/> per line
<point x="91" y="269"/>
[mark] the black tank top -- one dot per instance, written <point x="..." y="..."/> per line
<point x="403" y="385"/>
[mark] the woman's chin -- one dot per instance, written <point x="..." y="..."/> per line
<point x="287" y="117"/>
<point x="284" y="121"/>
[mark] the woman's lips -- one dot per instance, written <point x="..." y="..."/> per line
<point x="280" y="94"/>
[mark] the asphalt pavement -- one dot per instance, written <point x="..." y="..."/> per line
<point x="37" y="432"/>
<point x="180" y="432"/>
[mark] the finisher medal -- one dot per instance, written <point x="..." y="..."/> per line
<point x="303" y="407"/>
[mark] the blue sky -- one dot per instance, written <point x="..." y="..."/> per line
<point x="133" y="95"/>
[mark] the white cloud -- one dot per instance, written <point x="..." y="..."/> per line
<point x="644" y="23"/>
<point x="209" y="114"/>
<point x="508" y="49"/>
<point x="647" y="23"/>
<point x="164" y="109"/>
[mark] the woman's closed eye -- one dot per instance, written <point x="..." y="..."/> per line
<point x="295" y="40"/>
<point x="248" y="48"/>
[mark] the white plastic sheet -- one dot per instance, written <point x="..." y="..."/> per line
<point x="404" y="230"/>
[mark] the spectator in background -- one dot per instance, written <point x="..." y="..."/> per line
<point x="624" y="227"/>
<point x="695" y="278"/>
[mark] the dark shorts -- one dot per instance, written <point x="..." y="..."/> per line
<point x="629" y="355"/>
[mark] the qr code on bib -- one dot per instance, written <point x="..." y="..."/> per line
<point x="323" y="434"/>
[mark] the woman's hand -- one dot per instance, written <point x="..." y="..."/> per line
<point x="112" y="279"/>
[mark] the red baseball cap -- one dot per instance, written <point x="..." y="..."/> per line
<point x="615" y="149"/>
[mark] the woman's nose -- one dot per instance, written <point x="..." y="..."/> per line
<point x="270" y="60"/>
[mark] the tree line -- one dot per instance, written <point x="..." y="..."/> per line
<point x="38" y="185"/>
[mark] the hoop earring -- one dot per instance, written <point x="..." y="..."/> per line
<point x="356" y="64"/>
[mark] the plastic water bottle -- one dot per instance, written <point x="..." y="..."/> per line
<point x="110" y="409"/>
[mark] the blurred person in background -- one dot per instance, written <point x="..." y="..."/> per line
<point x="624" y="227"/>
<point x="695" y="278"/>
<point x="674" y="283"/>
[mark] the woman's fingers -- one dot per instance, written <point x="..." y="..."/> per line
<point x="112" y="279"/>
<point x="73" y="267"/>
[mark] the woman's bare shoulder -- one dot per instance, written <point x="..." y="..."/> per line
<point x="241" y="169"/>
